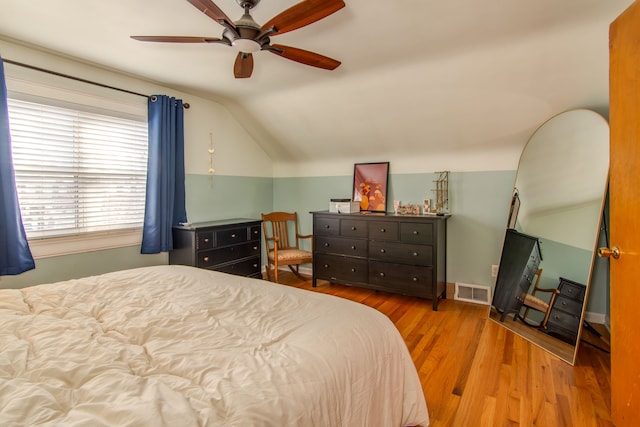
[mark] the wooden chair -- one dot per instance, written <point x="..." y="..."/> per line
<point x="533" y="302"/>
<point x="282" y="246"/>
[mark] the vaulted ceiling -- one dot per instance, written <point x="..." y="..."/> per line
<point x="418" y="77"/>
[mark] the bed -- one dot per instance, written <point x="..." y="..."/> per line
<point x="181" y="346"/>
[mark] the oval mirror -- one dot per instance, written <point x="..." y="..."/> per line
<point x="552" y="229"/>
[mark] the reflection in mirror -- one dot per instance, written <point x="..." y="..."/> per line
<point x="552" y="227"/>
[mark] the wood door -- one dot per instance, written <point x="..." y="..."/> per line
<point x="624" y="86"/>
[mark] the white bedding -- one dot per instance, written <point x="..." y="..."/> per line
<point x="180" y="346"/>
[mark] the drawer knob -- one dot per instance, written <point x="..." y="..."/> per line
<point x="255" y="265"/>
<point x="326" y="245"/>
<point x="233" y="236"/>
<point x="326" y="226"/>
<point x="415" y="279"/>
<point x="382" y="274"/>
<point x="206" y="240"/>
<point x="382" y="251"/>
<point x="564" y="303"/>
<point x="255" y="248"/>
<point x="353" y="270"/>
<point x="382" y="230"/>
<point x="353" y="247"/>
<point x="206" y="259"/>
<point x="415" y="232"/>
<point x="415" y="254"/>
<point x="354" y="228"/>
<point x="326" y="266"/>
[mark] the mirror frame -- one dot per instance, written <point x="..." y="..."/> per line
<point x="563" y="350"/>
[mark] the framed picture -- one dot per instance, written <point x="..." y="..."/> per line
<point x="370" y="186"/>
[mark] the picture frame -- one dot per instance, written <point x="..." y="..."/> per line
<point x="370" y="186"/>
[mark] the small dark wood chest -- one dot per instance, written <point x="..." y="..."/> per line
<point x="566" y="312"/>
<point x="231" y="246"/>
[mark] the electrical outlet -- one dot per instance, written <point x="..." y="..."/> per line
<point x="494" y="270"/>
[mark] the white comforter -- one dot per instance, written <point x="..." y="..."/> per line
<point x="179" y="346"/>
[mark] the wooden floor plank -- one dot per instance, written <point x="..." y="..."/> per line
<point x="475" y="372"/>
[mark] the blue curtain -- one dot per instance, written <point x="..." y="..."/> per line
<point x="15" y="255"/>
<point x="165" y="200"/>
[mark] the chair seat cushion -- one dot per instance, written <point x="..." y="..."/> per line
<point x="535" y="303"/>
<point x="291" y="254"/>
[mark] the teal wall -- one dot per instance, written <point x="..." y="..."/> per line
<point x="478" y="202"/>
<point x="208" y="198"/>
<point x="67" y="267"/>
<point x="220" y="197"/>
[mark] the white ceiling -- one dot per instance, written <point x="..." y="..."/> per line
<point x="418" y="77"/>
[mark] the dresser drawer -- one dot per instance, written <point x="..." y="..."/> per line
<point x="383" y="230"/>
<point x="343" y="269"/>
<point x="353" y="228"/>
<point x="406" y="279"/>
<point x="416" y="232"/>
<point x="561" y="319"/>
<point x="401" y="253"/>
<point x="339" y="245"/>
<point x="568" y="305"/>
<point x="254" y="233"/>
<point x="222" y="255"/>
<point x="572" y="290"/>
<point x="326" y="226"/>
<point x="231" y="236"/>
<point x="204" y="240"/>
<point x="249" y="267"/>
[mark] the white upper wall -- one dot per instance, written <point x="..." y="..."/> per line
<point x="458" y="85"/>
<point x="236" y="152"/>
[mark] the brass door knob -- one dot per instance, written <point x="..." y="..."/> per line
<point x="613" y="252"/>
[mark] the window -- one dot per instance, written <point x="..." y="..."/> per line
<point x="78" y="170"/>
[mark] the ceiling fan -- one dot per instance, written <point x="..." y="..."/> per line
<point x="247" y="36"/>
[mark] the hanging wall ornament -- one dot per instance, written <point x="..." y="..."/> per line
<point x="211" y="151"/>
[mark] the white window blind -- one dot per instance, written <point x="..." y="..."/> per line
<point x="77" y="171"/>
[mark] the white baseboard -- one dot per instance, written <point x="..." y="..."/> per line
<point x="595" y="317"/>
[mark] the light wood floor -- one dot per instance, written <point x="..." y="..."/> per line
<point x="475" y="372"/>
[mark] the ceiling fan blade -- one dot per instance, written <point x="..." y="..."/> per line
<point x="243" y="66"/>
<point x="178" y="39"/>
<point x="301" y="14"/>
<point x="212" y="11"/>
<point x="305" y="57"/>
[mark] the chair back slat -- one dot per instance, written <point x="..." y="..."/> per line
<point x="280" y="222"/>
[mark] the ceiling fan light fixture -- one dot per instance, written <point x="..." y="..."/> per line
<point x="246" y="45"/>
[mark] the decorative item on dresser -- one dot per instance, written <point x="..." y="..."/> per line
<point x="566" y="311"/>
<point x="521" y="257"/>
<point x="230" y="245"/>
<point x="386" y="252"/>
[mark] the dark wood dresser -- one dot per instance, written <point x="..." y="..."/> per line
<point x="520" y="259"/>
<point x="231" y="245"/>
<point x="566" y="311"/>
<point x="402" y="254"/>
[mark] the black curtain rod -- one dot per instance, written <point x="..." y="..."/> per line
<point x="55" y="73"/>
